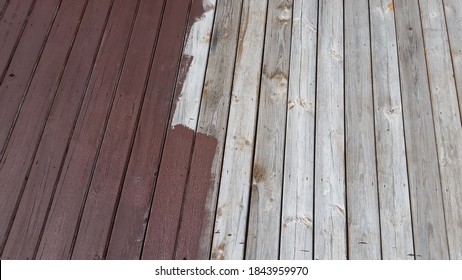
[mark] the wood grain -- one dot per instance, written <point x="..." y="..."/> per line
<point x="231" y="221"/>
<point x="330" y="239"/>
<point x="361" y="170"/>
<point x="298" y="191"/>
<point x="446" y="118"/>
<point x="267" y="176"/>
<point x="424" y="179"/>
<point x="395" y="209"/>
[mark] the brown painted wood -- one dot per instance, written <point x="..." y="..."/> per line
<point x="200" y="198"/>
<point x="14" y="165"/>
<point x="14" y="86"/>
<point x="39" y="189"/>
<point x="12" y="24"/>
<point x="107" y="179"/>
<point x="135" y="202"/>
<point x="3" y="6"/>
<point x="58" y="235"/>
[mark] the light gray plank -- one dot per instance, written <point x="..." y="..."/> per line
<point x="453" y="12"/>
<point x="297" y="204"/>
<point x="233" y="201"/>
<point x="395" y="209"/>
<point x="330" y="240"/>
<point x="265" y="205"/>
<point x="214" y="108"/>
<point x="362" y="194"/>
<point x="446" y="117"/>
<point x="424" y="178"/>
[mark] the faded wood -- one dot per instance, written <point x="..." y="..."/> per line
<point x="330" y="239"/>
<point x="39" y="188"/>
<point x="63" y="218"/>
<point x="206" y="162"/>
<point x="424" y="179"/>
<point x="446" y="117"/>
<point x="231" y="221"/>
<point x="453" y="16"/>
<point x="267" y="176"/>
<point x="395" y="209"/>
<point x="107" y="180"/>
<point x="13" y="87"/>
<point x="16" y="162"/>
<point x="298" y="191"/>
<point x="361" y="169"/>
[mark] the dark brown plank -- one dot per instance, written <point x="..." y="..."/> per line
<point x="12" y="24"/>
<point x="200" y="198"/>
<point x="135" y="202"/>
<point x="71" y="189"/>
<point x="22" y="145"/>
<point x="101" y="203"/>
<point x="3" y="6"/>
<point x="13" y="86"/>
<point x="39" y="189"/>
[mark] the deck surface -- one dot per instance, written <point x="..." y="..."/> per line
<point x="230" y="129"/>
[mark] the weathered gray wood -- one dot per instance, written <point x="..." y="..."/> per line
<point x="266" y="195"/>
<point x="424" y="179"/>
<point x="330" y="240"/>
<point x="297" y="204"/>
<point x="395" y="209"/>
<point x="453" y="12"/>
<point x="233" y="201"/>
<point x="361" y="171"/>
<point x="213" y="117"/>
<point x="446" y="117"/>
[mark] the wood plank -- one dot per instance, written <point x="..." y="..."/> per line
<point x="130" y="224"/>
<point x="201" y="193"/>
<point x="395" y="209"/>
<point x="233" y="200"/>
<point x="330" y="239"/>
<point x="3" y="6"/>
<point x="446" y="117"/>
<point x="107" y="180"/>
<point x="13" y="22"/>
<point x="15" y="164"/>
<point x="424" y="179"/>
<point x="39" y="187"/>
<point x="298" y="191"/>
<point x="13" y="87"/>
<point x="361" y="170"/>
<point x="266" y="194"/>
<point x="453" y="13"/>
<point x="59" y="231"/>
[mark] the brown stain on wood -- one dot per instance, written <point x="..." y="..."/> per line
<point x="390" y="7"/>
<point x="198" y="187"/>
<point x="259" y="173"/>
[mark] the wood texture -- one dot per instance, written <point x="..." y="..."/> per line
<point x="39" y="188"/>
<point x="330" y="239"/>
<point x="446" y="118"/>
<point x="22" y="145"/>
<point x="206" y="160"/>
<point x="13" y="87"/>
<point x="453" y="16"/>
<point x="392" y="180"/>
<point x="62" y="223"/>
<point x="267" y="176"/>
<point x="106" y="181"/>
<point x="361" y="169"/>
<point x="298" y="190"/>
<point x="231" y="222"/>
<point x="424" y="179"/>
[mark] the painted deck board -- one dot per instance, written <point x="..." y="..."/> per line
<point x="214" y="129"/>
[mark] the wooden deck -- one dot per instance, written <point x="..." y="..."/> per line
<point x="230" y="129"/>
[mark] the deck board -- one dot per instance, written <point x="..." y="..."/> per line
<point x="241" y="129"/>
